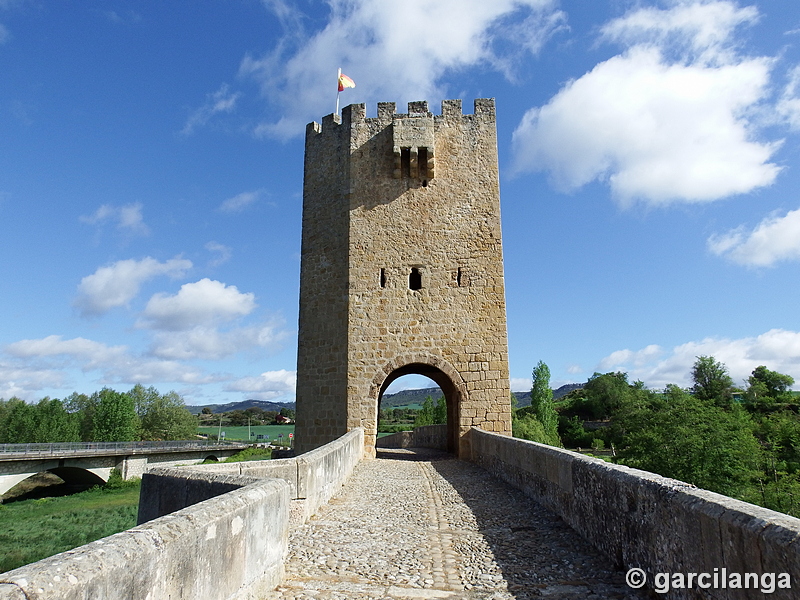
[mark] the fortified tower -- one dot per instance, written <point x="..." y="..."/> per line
<point x="401" y="269"/>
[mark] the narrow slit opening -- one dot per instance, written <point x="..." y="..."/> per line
<point x="383" y="278"/>
<point x="458" y="277"/>
<point x="405" y="161"/>
<point x="415" y="279"/>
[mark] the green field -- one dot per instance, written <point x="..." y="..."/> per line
<point x="31" y="530"/>
<point x="270" y="433"/>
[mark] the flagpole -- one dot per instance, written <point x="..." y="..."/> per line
<point x="338" y="77"/>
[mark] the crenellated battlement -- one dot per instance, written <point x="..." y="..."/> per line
<point x="356" y="114"/>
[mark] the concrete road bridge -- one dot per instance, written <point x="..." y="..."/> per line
<point x="92" y="462"/>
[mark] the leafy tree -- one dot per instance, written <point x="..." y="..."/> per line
<point x="163" y="417"/>
<point x="53" y="423"/>
<point x="542" y="405"/>
<point x="18" y="422"/>
<point x="689" y="438"/>
<point x="82" y="406"/>
<point x="206" y="410"/>
<point x="115" y="418"/>
<point x="712" y="381"/>
<point x="432" y="414"/>
<point x="765" y="388"/>
<point x="287" y="412"/>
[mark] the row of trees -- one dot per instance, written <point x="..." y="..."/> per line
<point x="743" y="443"/>
<point x="249" y="416"/>
<point x="105" y="416"/>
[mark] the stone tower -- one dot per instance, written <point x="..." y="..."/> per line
<point x="401" y="269"/>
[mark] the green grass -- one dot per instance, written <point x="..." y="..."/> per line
<point x="240" y="433"/>
<point x="31" y="530"/>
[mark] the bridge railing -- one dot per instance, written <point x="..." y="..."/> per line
<point x="62" y="448"/>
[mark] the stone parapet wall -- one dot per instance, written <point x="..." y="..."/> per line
<point x="214" y="531"/>
<point x="228" y="547"/>
<point x="427" y="436"/>
<point x="643" y="520"/>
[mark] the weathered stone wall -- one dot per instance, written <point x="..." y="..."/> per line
<point x="428" y="436"/>
<point x="228" y="547"/>
<point x="313" y="477"/>
<point x="643" y="520"/>
<point x="402" y="269"/>
<point x="210" y="531"/>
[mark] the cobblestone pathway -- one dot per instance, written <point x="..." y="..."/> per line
<point x="419" y="524"/>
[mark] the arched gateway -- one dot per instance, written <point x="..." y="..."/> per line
<point x="401" y="269"/>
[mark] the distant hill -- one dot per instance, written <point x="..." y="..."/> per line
<point x="243" y="405"/>
<point x="406" y="397"/>
<point x="524" y="398"/>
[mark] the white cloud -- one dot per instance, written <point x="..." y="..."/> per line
<point x="203" y="303"/>
<point x="788" y="107"/>
<point x="266" y="386"/>
<point x="211" y="343"/>
<point x="239" y="202"/>
<point x="574" y="369"/>
<point x="223" y="253"/>
<point x="520" y="384"/>
<point x="628" y="357"/>
<point x="667" y="120"/>
<point x="44" y="363"/>
<point x="127" y="217"/>
<point x="53" y="345"/>
<point x="221" y="101"/>
<point x="117" y="284"/>
<point x="778" y="349"/>
<point x="775" y="239"/>
<point x="391" y="51"/>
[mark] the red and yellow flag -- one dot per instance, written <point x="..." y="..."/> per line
<point x="345" y="82"/>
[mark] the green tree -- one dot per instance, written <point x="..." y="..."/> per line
<point x="115" y="418"/>
<point x="765" y="388"/>
<point x="163" y="417"/>
<point x="432" y="414"/>
<point x="542" y="406"/>
<point x="19" y="422"/>
<point x="712" y="381"/>
<point x="82" y="406"/>
<point x="689" y="438"/>
<point x="53" y="423"/>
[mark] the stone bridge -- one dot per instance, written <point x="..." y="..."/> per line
<point x="92" y="462"/>
<point x="517" y="520"/>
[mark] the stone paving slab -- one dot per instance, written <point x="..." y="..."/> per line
<point x="421" y="524"/>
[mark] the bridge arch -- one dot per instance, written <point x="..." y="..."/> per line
<point x="80" y="476"/>
<point x="433" y="367"/>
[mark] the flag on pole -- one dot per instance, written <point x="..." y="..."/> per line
<point x="345" y="81"/>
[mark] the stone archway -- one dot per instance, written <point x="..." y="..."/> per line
<point x="440" y="372"/>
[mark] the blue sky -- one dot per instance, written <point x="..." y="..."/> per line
<point x="151" y="180"/>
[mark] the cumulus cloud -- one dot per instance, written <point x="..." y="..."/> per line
<point x="127" y="217"/>
<point x="778" y="349"/>
<point x="37" y="364"/>
<point x="221" y="101"/>
<point x="211" y="343"/>
<point x="775" y="239"/>
<point x="239" y="202"/>
<point x="520" y="384"/>
<point x="117" y="284"/>
<point x="267" y="386"/>
<point x="203" y="303"/>
<point x="417" y="44"/>
<point x="668" y="120"/>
